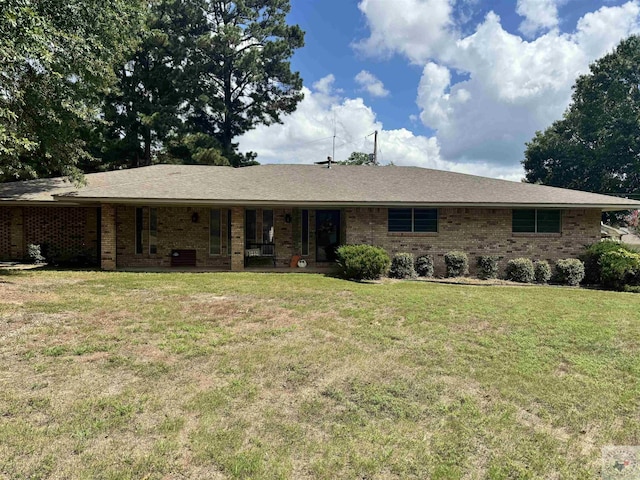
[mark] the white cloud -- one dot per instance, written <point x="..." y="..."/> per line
<point x="432" y="96"/>
<point x="512" y="86"/>
<point x="306" y="136"/>
<point x="599" y="32"/>
<point x="371" y="84"/>
<point x="415" y="28"/>
<point x="539" y="15"/>
<point x="515" y="87"/>
<point x="325" y="84"/>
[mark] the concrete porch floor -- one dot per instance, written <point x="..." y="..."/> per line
<point x="321" y="270"/>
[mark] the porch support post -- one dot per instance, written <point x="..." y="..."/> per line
<point x="237" y="239"/>
<point x="108" y="237"/>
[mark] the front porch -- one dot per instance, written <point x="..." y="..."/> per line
<point x="203" y="238"/>
<point x="322" y="270"/>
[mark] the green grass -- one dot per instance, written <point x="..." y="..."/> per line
<point x="122" y="375"/>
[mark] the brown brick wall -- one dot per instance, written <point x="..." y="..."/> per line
<point x="67" y="229"/>
<point x="108" y="229"/>
<point x="476" y="232"/>
<point x="236" y="249"/>
<point x="18" y="246"/>
<point x="176" y="231"/>
<point x="5" y="233"/>
<point x="284" y="236"/>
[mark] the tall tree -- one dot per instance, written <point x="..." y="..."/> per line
<point x="145" y="115"/>
<point x="56" y="60"/>
<point x="596" y="145"/>
<point x="205" y="72"/>
<point x="247" y="78"/>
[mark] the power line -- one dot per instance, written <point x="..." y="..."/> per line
<point x="312" y="141"/>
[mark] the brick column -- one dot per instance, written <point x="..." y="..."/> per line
<point x="18" y="250"/>
<point x="237" y="239"/>
<point x="108" y="237"/>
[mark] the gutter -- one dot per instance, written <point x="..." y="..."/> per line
<point x="293" y="203"/>
<point x="43" y="203"/>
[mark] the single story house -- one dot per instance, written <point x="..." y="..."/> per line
<point x="221" y="218"/>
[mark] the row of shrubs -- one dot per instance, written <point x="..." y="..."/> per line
<point x="365" y="262"/>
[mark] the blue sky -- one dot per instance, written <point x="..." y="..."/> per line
<point x="450" y="84"/>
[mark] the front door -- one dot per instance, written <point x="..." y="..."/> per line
<point x="327" y="235"/>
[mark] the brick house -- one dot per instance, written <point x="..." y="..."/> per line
<point x="224" y="218"/>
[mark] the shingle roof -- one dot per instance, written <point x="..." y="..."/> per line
<point x="304" y="185"/>
<point x="35" y="191"/>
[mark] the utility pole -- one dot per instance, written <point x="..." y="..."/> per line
<point x="375" y="148"/>
<point x="333" y="156"/>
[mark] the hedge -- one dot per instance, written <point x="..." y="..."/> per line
<point x="520" y="270"/>
<point x="402" y="266"/>
<point x="424" y="266"/>
<point x="362" y="262"/>
<point x="620" y="268"/>
<point x="457" y="264"/>
<point x="542" y="271"/>
<point x="569" y="271"/>
<point x="487" y="267"/>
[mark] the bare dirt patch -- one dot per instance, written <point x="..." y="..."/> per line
<point x="19" y="293"/>
<point x="23" y="323"/>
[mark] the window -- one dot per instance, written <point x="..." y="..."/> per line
<point x="153" y="231"/>
<point x="425" y="220"/>
<point x="250" y="227"/>
<point x="305" y="232"/>
<point x="419" y="220"/>
<point x="215" y="238"/>
<point x="139" y="228"/>
<point x="536" y="221"/>
<point x="267" y="226"/>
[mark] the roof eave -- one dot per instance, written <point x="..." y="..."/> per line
<point x="306" y="203"/>
<point x="42" y="203"/>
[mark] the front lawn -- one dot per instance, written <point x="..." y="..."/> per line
<point x="122" y="375"/>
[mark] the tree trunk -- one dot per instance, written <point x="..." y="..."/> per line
<point x="147" y="148"/>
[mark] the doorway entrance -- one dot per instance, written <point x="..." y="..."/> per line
<point x="327" y="235"/>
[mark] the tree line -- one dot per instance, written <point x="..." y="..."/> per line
<point x="89" y="85"/>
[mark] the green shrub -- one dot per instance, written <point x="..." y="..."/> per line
<point x="569" y="271"/>
<point x="457" y="264"/>
<point x="487" y="267"/>
<point x="542" y="271"/>
<point x="362" y="262"/>
<point x="402" y="266"/>
<point x="34" y="254"/>
<point x="520" y="270"/>
<point x="620" y="268"/>
<point x="592" y="259"/>
<point x="424" y="266"/>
